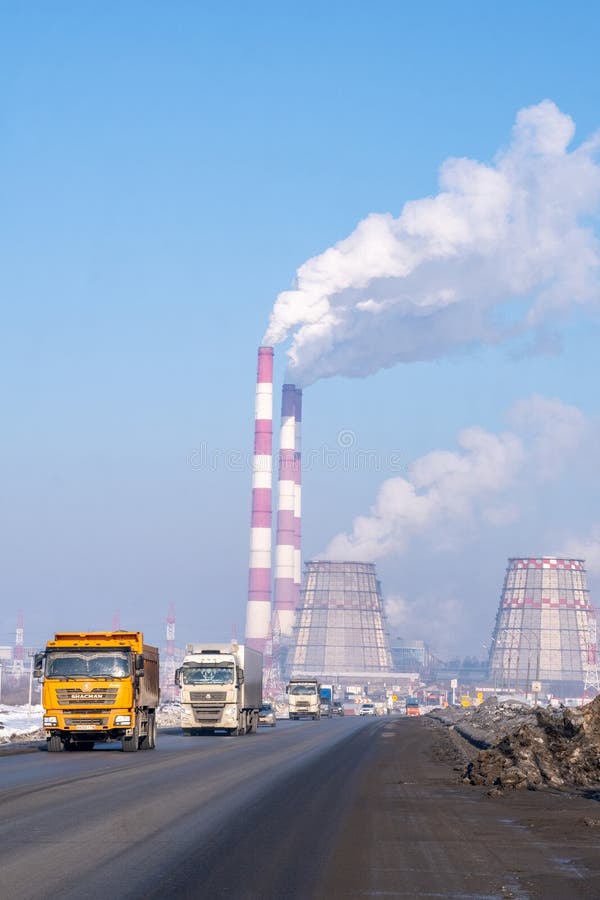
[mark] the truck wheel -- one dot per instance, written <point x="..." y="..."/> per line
<point x="54" y="743"/>
<point x="132" y="744"/>
<point x="254" y="724"/>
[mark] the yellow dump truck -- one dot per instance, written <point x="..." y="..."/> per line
<point x="99" y="686"/>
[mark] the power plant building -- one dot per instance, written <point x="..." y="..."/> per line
<point x="545" y="635"/>
<point x="340" y="627"/>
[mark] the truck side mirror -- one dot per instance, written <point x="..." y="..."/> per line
<point x="178" y="677"/>
<point x="240" y="676"/>
<point x="139" y="664"/>
<point x="38" y="664"/>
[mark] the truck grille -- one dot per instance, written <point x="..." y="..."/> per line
<point x="76" y="720"/>
<point x="303" y="704"/>
<point x="207" y="714"/>
<point x="75" y="696"/>
<point x="211" y="696"/>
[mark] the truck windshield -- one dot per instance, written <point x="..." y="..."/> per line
<point x="87" y="664"/>
<point x="302" y="689"/>
<point x="208" y="675"/>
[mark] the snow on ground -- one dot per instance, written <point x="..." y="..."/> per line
<point x="19" y="720"/>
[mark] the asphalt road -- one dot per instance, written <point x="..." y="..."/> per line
<point x="338" y="808"/>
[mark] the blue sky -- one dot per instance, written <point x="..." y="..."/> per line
<point x="164" y="170"/>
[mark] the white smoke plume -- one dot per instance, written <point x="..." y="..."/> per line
<point x="500" y="252"/>
<point x="450" y="495"/>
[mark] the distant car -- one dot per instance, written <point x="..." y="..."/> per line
<point x="326" y="710"/>
<point x="368" y="709"/>
<point x="266" y="715"/>
<point x="337" y="709"/>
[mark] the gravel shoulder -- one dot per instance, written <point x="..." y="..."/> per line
<point x="416" y="829"/>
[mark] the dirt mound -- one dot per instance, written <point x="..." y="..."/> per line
<point x="553" y="748"/>
<point x="483" y="726"/>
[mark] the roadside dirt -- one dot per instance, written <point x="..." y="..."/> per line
<point x="416" y="829"/>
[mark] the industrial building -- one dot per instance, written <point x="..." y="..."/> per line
<point x="411" y="655"/>
<point x="340" y="629"/>
<point x="544" y="639"/>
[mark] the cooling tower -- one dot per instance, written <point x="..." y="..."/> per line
<point x="340" y="623"/>
<point x="258" y="611"/>
<point x="545" y="634"/>
<point x="284" y="602"/>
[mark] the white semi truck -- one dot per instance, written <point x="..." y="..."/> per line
<point x="221" y="688"/>
<point x="303" y="696"/>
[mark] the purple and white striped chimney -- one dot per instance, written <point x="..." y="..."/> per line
<point x="298" y="499"/>
<point x="258" y="611"/>
<point x="284" y="605"/>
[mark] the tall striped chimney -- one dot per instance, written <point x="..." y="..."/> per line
<point x="258" y="611"/>
<point x="284" y="605"/>
<point x="298" y="499"/>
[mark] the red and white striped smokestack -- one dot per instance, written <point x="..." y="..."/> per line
<point x="284" y="606"/>
<point x="258" y="611"/>
<point x="298" y="499"/>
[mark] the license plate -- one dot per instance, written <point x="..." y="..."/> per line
<point x="85" y="727"/>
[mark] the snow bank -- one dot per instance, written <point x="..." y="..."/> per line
<point x="16" y="721"/>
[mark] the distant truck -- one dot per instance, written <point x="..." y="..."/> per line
<point x="221" y="688"/>
<point x="412" y="706"/>
<point x="304" y="699"/>
<point x="99" y="686"/>
<point x="326" y="700"/>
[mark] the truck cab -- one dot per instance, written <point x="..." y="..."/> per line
<point x="326" y="700"/>
<point x="412" y="706"/>
<point x="221" y="688"/>
<point x="304" y="698"/>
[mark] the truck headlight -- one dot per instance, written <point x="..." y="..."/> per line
<point x="230" y="712"/>
<point x="50" y="720"/>
<point x="122" y="720"/>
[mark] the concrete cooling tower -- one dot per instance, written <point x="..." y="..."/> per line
<point x="340" y="626"/>
<point x="545" y="635"/>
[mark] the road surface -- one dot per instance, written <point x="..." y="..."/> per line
<point x="339" y="808"/>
